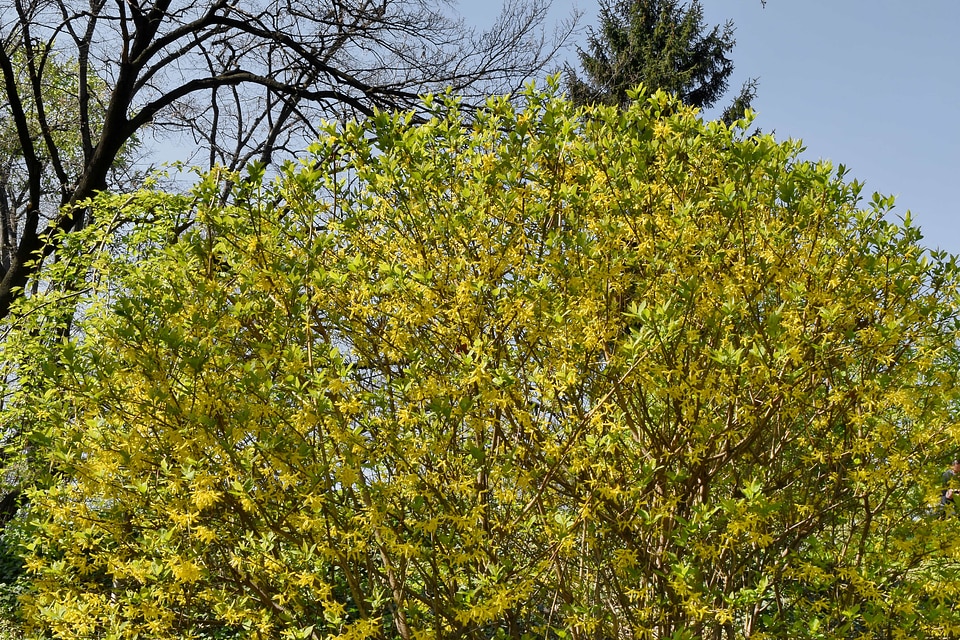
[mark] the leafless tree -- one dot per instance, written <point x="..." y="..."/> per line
<point x="241" y="81"/>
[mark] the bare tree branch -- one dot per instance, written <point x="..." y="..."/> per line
<point x="244" y="80"/>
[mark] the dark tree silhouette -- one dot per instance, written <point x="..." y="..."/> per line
<point x="243" y="81"/>
<point x="662" y="44"/>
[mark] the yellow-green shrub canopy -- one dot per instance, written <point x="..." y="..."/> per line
<point x="538" y="372"/>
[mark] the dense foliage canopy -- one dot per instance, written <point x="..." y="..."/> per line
<point x="553" y="373"/>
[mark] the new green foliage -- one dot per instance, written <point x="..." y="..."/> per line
<point x="545" y="373"/>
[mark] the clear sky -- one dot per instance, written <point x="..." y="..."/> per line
<point x="871" y="84"/>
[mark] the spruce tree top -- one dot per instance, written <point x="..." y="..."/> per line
<point x="663" y="44"/>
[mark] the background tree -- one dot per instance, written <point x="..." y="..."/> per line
<point x="61" y="120"/>
<point x="393" y="393"/>
<point x="661" y="44"/>
<point x="244" y="80"/>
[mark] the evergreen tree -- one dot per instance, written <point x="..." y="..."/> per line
<point x="662" y="44"/>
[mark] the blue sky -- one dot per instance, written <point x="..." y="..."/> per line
<point x="871" y="84"/>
